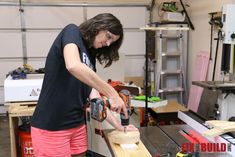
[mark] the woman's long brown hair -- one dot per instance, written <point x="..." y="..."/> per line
<point x="101" y="22"/>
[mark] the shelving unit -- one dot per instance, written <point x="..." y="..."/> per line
<point x="171" y="56"/>
<point x="16" y="110"/>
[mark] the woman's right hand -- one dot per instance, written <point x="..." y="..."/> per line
<point x="117" y="105"/>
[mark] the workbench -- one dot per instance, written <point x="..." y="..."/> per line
<point x="168" y="112"/>
<point x="163" y="140"/>
<point x="171" y="106"/>
<point x="153" y="139"/>
<point x="225" y="108"/>
<point x="16" y="110"/>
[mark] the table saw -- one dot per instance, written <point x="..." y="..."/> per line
<point x="225" y="109"/>
<point x="168" y="140"/>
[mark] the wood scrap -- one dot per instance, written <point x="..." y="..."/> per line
<point x="120" y="151"/>
<point x="219" y="127"/>
<point x="119" y="137"/>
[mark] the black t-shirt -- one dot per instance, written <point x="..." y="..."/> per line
<point x="60" y="104"/>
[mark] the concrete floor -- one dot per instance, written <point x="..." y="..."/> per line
<point x="5" y="150"/>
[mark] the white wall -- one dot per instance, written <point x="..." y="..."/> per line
<point x="200" y="38"/>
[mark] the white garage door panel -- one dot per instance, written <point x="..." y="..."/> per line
<point x="45" y="20"/>
<point x="11" y="44"/>
<point x="115" y="71"/>
<point x="52" y="17"/>
<point x="133" y="43"/>
<point x="1" y="95"/>
<point x="135" y="19"/>
<point x="9" y="17"/>
<point x="39" y="43"/>
<point x="8" y="66"/>
<point x="134" y="66"/>
<point x="36" y="64"/>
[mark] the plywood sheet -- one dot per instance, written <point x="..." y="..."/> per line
<point x="171" y="106"/>
<point x="21" y="108"/>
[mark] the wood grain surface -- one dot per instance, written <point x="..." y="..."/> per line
<point x="118" y="151"/>
<point x="219" y="127"/>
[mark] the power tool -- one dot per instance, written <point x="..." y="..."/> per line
<point x="100" y="105"/>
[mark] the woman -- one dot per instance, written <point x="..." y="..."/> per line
<point x="58" y="123"/>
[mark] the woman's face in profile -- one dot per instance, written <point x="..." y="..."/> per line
<point x="104" y="38"/>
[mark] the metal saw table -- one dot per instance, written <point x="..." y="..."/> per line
<point x="224" y="86"/>
<point x="225" y="100"/>
<point x="167" y="140"/>
<point x="153" y="138"/>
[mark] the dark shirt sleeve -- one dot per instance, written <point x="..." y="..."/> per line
<point x="71" y="34"/>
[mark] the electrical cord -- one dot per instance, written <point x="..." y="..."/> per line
<point x="216" y="52"/>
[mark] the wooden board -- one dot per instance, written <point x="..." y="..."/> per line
<point x="171" y="106"/>
<point x="120" y="137"/>
<point x="219" y="127"/>
<point x="18" y="109"/>
<point x="140" y="103"/>
<point x="140" y="150"/>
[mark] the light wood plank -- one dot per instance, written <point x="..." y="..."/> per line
<point x="140" y="150"/>
<point x="220" y="127"/>
<point x="171" y="106"/>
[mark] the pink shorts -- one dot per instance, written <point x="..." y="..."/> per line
<point x="62" y="143"/>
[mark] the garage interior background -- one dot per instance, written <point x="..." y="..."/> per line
<point x="27" y="36"/>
